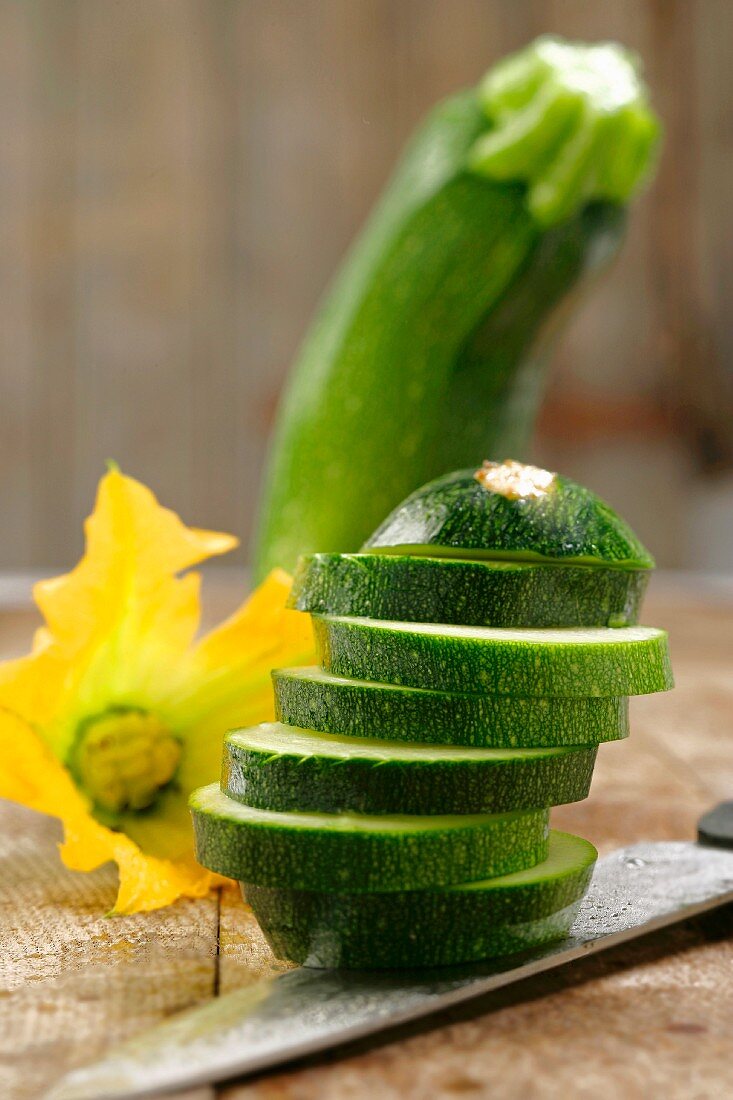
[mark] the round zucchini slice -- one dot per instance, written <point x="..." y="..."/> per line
<point x="314" y="699"/>
<point x="569" y="662"/>
<point x="430" y="927"/>
<point x="468" y="593"/>
<point x="353" y="852"/>
<point x="278" y="767"/>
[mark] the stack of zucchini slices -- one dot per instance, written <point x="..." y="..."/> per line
<point x="472" y="658"/>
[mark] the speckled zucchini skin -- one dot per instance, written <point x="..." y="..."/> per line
<point x="430" y="927"/>
<point x="469" y="593"/>
<point x="567" y="524"/>
<point x="358" y="853"/>
<point x="301" y="771"/>
<point x="513" y="664"/>
<point x="313" y="699"/>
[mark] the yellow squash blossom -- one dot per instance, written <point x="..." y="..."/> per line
<point x="119" y="711"/>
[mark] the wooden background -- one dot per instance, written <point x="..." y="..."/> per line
<point x="178" y="179"/>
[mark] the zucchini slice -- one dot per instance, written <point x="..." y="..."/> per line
<point x="351" y="852"/>
<point x="588" y="661"/>
<point x="430" y="927"/>
<point x="464" y="592"/>
<point x="278" y="767"/>
<point x="314" y="699"/>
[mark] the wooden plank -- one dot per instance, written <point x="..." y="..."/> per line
<point x="714" y="30"/>
<point x="53" y="254"/>
<point x="73" y="981"/>
<point x="220" y="486"/>
<point x="282" y="177"/>
<point x="702" y="384"/>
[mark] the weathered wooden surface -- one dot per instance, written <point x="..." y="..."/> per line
<point x="179" y="178"/>
<point x="651" y="1019"/>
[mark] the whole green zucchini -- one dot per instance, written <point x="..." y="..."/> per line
<point x="427" y="353"/>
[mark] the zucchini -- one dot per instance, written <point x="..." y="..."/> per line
<point x="353" y="852"/>
<point x="314" y="699"/>
<point x="278" y="767"/>
<point x="429" y="927"/>
<point x="469" y="593"/>
<point x="588" y="661"/>
<point x="430" y="346"/>
<point x="509" y="510"/>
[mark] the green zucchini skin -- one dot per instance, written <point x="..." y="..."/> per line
<point x="277" y="767"/>
<point x="567" y="523"/>
<point x="468" y="593"/>
<point x="566" y="663"/>
<point x="313" y="699"/>
<point x="360" y="853"/>
<point x="429" y="927"/>
<point x="443" y="313"/>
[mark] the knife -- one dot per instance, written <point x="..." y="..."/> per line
<point x="635" y="890"/>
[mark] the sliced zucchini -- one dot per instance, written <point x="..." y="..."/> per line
<point x="353" y="852"/>
<point x="314" y="699"/>
<point x="587" y="661"/>
<point x="278" y="767"/>
<point x="471" y="593"/>
<point x="430" y="927"/>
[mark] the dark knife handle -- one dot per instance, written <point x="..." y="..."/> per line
<point x="716" y="826"/>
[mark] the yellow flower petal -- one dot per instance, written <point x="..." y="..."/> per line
<point x="225" y="682"/>
<point x="31" y="775"/>
<point x="32" y="686"/>
<point x="260" y="627"/>
<point x="119" y="633"/>
<point x="134" y="549"/>
<point x="229" y="677"/>
<point x="146" y="882"/>
<point x="120" y="623"/>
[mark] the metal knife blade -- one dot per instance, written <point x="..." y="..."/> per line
<point x="634" y="891"/>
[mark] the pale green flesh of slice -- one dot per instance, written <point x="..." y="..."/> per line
<point x="589" y="635"/>
<point x="213" y="802"/>
<point x="279" y="738"/>
<point x="566" y="853"/>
